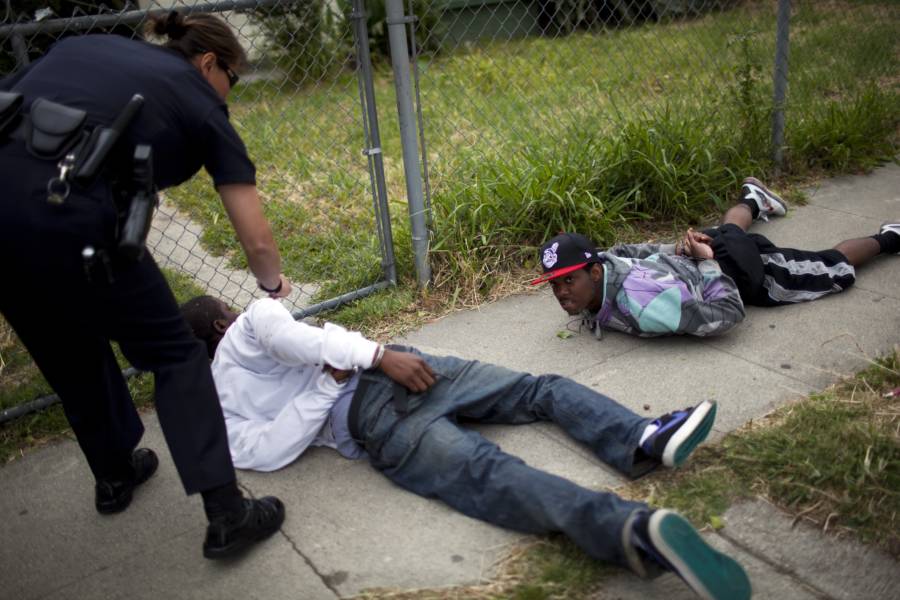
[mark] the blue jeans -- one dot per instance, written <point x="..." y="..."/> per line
<point x="426" y="452"/>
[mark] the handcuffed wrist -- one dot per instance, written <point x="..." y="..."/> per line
<point x="379" y="355"/>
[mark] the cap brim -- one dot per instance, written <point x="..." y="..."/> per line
<point x="557" y="273"/>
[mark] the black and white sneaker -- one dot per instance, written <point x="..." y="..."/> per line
<point x="768" y="202"/>
<point x="891" y="227"/>
<point x="678" y="433"/>
<point x="664" y="539"/>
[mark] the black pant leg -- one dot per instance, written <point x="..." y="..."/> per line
<point x="80" y="366"/>
<point x="141" y="314"/>
<point x="737" y="253"/>
<point x="48" y="290"/>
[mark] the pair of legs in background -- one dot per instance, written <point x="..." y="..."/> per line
<point x="767" y="275"/>
<point x="419" y="444"/>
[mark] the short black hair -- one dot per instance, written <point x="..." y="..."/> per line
<point x="200" y="312"/>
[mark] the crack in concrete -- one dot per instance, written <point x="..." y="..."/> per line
<point x="324" y="578"/>
<point x="776" y="566"/>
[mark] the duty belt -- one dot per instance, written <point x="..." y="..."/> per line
<point x="53" y="131"/>
<point x="56" y="132"/>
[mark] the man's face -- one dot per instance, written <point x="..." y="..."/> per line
<point x="228" y="317"/>
<point x="578" y="290"/>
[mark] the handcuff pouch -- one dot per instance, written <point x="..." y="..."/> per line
<point x="53" y="129"/>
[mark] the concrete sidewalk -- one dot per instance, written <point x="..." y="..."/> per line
<point x="348" y="528"/>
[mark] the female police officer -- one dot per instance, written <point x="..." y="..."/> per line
<point x="66" y="308"/>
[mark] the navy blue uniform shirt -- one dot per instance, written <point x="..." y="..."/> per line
<point x="183" y="117"/>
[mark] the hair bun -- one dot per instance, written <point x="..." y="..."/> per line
<point x="172" y="25"/>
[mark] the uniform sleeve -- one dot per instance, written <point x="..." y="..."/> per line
<point x="224" y="154"/>
<point x="293" y="344"/>
<point x="271" y="444"/>
<point x="673" y="305"/>
<point x="641" y="250"/>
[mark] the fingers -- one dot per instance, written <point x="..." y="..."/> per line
<point x="409" y="370"/>
<point x="422" y="376"/>
<point x="285" y="288"/>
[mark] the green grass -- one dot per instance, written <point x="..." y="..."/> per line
<point x="22" y="382"/>
<point x="612" y="133"/>
<point x="600" y="131"/>
<point x="833" y="458"/>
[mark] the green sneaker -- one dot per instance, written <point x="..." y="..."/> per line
<point x="669" y="540"/>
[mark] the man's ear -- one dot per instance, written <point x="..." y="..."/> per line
<point x="596" y="272"/>
<point x="220" y="325"/>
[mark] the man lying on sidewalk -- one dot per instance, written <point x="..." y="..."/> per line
<point x="285" y="386"/>
<point x="698" y="285"/>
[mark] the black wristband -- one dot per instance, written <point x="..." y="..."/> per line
<point x="274" y="290"/>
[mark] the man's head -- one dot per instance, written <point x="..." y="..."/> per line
<point x="572" y="266"/>
<point x="209" y="318"/>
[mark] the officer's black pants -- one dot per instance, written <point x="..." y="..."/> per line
<point x="67" y="317"/>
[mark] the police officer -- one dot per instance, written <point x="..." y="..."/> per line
<point x="66" y="308"/>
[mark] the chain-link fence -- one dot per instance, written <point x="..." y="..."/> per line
<point x="548" y="115"/>
<point x="305" y="112"/>
<point x="496" y="123"/>
<point x="529" y="111"/>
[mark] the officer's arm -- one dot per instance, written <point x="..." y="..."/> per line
<point x="245" y="213"/>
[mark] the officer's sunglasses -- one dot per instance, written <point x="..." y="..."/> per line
<point x="233" y="77"/>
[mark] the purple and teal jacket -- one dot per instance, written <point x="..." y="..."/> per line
<point x="649" y="291"/>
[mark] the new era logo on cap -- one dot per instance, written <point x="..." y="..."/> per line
<point x="565" y="253"/>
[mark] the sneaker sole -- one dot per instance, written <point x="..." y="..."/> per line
<point x="711" y="574"/>
<point x="777" y="202"/>
<point x="690" y="435"/>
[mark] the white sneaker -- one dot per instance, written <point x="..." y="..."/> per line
<point x="890" y="227"/>
<point x="768" y="202"/>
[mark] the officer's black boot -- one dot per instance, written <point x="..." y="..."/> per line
<point x="113" y="495"/>
<point x="236" y="523"/>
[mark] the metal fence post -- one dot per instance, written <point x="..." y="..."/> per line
<point x="396" y="22"/>
<point x="373" y="141"/>
<point x="780" y="80"/>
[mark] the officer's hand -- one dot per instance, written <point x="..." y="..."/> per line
<point x="407" y="369"/>
<point x="285" y="288"/>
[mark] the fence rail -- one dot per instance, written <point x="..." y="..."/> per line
<point x="181" y="224"/>
<point x="513" y="119"/>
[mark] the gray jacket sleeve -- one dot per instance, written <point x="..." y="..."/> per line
<point x="641" y="250"/>
<point x="718" y="309"/>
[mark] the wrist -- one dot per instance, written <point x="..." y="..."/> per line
<point x="378" y="356"/>
<point x="271" y="290"/>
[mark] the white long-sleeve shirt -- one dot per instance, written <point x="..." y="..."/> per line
<point x="274" y="394"/>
